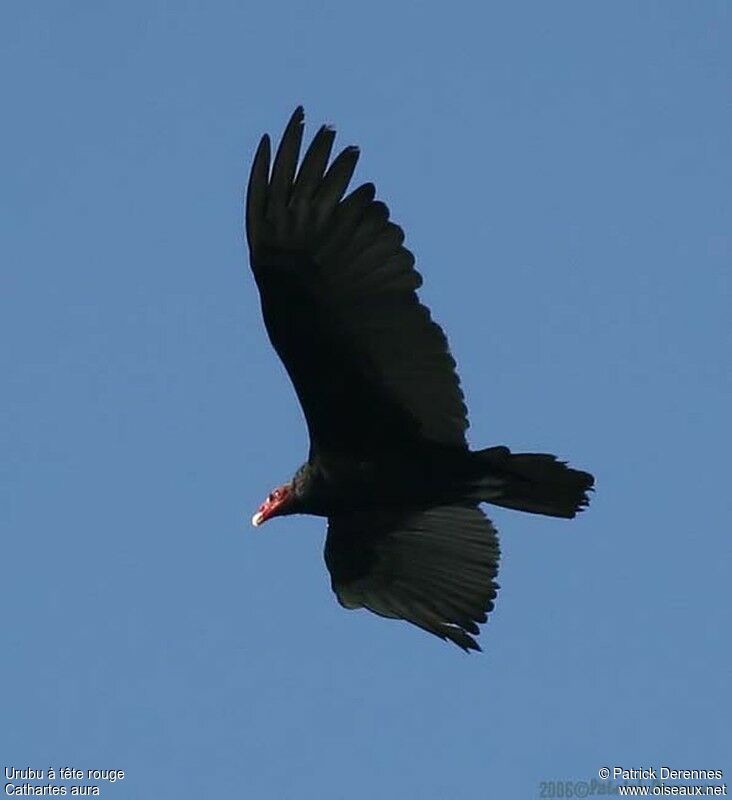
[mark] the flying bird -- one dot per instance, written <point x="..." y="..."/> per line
<point x="388" y="464"/>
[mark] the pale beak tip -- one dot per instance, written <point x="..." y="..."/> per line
<point x="257" y="519"/>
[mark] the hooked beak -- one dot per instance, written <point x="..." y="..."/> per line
<point x="273" y="506"/>
<point x="266" y="510"/>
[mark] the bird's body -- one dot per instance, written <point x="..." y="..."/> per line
<point x="389" y="465"/>
<point x="331" y="484"/>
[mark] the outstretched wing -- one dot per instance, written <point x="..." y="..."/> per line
<point x="370" y="368"/>
<point x="433" y="568"/>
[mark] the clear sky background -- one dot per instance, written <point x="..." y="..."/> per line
<point x="563" y="174"/>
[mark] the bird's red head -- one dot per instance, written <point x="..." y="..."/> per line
<point x="277" y="502"/>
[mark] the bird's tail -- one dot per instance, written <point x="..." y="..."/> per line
<point x="534" y="482"/>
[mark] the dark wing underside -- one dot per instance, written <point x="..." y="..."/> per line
<point x="370" y="368"/>
<point x="433" y="568"/>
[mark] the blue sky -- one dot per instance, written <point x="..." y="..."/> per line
<point x="562" y="172"/>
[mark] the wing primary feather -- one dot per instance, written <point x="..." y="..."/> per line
<point x="335" y="182"/>
<point x="257" y="192"/>
<point x="313" y="166"/>
<point x="285" y="162"/>
<point x="460" y="638"/>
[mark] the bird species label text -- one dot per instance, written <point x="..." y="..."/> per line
<point x="53" y="782"/>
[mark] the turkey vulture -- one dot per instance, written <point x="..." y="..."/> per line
<point x="388" y="465"/>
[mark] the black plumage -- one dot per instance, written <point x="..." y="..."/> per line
<point x="388" y="463"/>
